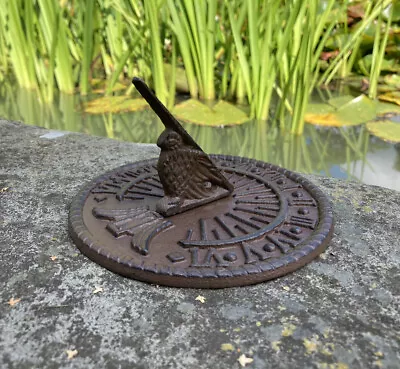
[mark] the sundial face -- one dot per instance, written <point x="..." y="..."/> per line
<point x="273" y="222"/>
<point x="188" y="219"/>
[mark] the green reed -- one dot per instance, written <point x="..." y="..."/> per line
<point x="373" y="12"/>
<point x="378" y="53"/>
<point x="254" y="52"/>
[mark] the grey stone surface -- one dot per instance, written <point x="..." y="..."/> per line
<point x="341" y="311"/>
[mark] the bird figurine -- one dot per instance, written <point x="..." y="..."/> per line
<point x="187" y="174"/>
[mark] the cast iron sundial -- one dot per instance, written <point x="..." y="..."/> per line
<point x="188" y="219"/>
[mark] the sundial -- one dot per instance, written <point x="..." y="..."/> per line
<point x="188" y="219"/>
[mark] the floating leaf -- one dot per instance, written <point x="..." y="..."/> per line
<point x="221" y="114"/>
<point x="338" y="102"/>
<point x="319" y="108"/>
<point x="328" y="119"/>
<point x="396" y="11"/>
<point x="115" y="104"/>
<point x="383" y="108"/>
<point x="392" y="80"/>
<point x="389" y="65"/>
<point x="387" y="130"/>
<point x="382" y="89"/>
<point x="393" y="96"/>
<point x="357" y="111"/>
<point x="352" y="112"/>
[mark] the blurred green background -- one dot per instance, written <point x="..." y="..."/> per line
<point x="309" y="85"/>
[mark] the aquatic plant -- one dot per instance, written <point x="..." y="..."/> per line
<point x="252" y="52"/>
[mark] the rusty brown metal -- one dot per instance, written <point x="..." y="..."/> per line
<point x="193" y="220"/>
<point x="188" y="176"/>
<point x="275" y="222"/>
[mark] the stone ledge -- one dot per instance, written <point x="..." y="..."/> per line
<point x="340" y="311"/>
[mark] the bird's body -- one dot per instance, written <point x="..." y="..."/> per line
<point x="186" y="172"/>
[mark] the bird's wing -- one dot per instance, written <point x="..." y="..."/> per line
<point x="204" y="170"/>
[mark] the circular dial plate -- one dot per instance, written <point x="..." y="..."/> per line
<point x="274" y="222"/>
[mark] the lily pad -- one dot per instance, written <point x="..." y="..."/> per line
<point x="319" y="108"/>
<point x="221" y="114"/>
<point x="339" y="101"/>
<point x="393" y="96"/>
<point x="327" y="119"/>
<point x="352" y="112"/>
<point x="388" y="65"/>
<point x="392" y="80"/>
<point x="387" y="130"/>
<point x="114" y="104"/>
<point x="383" y="108"/>
<point x="382" y="89"/>
<point x="396" y="11"/>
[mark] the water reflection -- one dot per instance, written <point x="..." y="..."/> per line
<point x="342" y="153"/>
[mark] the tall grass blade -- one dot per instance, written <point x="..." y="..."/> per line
<point x="87" y="47"/>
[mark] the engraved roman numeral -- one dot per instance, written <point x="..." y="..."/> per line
<point x="283" y="244"/>
<point x="216" y="234"/>
<point x="241" y="229"/>
<point x="203" y="229"/>
<point x="211" y="256"/>
<point x="302" y="222"/>
<point x="253" y="254"/>
<point x="290" y="235"/>
<point x="302" y="202"/>
<point x="189" y="234"/>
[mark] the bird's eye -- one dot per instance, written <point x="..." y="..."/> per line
<point x="207" y="185"/>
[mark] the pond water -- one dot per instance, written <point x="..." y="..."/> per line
<point x="347" y="153"/>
